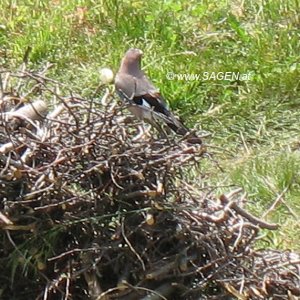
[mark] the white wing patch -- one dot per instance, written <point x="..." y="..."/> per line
<point x="146" y="104"/>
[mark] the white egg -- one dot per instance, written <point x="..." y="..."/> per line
<point x="106" y="75"/>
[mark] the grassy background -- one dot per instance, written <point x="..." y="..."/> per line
<point x="255" y="124"/>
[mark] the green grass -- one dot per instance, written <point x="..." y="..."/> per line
<point x="271" y="178"/>
<point x="254" y="123"/>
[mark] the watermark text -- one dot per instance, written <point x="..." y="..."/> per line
<point x="205" y="76"/>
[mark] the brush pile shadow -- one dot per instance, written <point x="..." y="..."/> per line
<point x="90" y="210"/>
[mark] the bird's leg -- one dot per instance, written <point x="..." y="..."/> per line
<point x="143" y="132"/>
<point x="146" y="129"/>
<point x="161" y="131"/>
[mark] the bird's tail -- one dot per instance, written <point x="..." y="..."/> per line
<point x="180" y="129"/>
<point x="177" y="127"/>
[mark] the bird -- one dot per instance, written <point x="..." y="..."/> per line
<point x="142" y="97"/>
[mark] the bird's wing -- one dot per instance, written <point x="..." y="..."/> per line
<point x="152" y="101"/>
<point x="142" y="93"/>
<point x="155" y="103"/>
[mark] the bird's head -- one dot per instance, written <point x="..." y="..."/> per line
<point x="131" y="62"/>
<point x="134" y="53"/>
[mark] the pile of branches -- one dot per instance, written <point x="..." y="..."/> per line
<point x="90" y="208"/>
